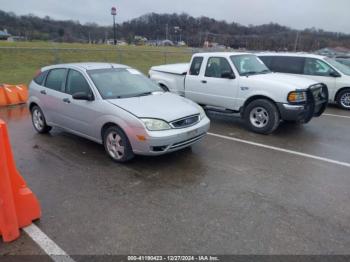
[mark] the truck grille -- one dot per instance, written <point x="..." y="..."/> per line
<point x="185" y="122"/>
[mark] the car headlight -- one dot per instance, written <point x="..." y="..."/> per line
<point x="155" y="124"/>
<point x="297" y="97"/>
<point x="201" y="112"/>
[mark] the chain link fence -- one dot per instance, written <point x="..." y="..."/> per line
<point x="19" y="64"/>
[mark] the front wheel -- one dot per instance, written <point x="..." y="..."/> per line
<point x="39" y="121"/>
<point x="117" y="145"/>
<point x="343" y="99"/>
<point x="261" y="116"/>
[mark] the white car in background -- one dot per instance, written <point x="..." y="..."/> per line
<point x="334" y="75"/>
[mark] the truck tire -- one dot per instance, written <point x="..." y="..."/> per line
<point x="343" y="99"/>
<point x="117" y="145"/>
<point x="261" y="116"/>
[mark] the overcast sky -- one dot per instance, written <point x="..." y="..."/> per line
<point x="330" y="15"/>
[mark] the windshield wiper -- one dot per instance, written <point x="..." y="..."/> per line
<point x="266" y="71"/>
<point x="144" y="94"/>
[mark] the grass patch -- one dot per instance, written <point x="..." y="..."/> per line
<point x="20" y="60"/>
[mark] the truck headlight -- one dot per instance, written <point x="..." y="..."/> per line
<point x="297" y="97"/>
<point x="155" y="124"/>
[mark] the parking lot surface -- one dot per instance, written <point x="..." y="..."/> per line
<point x="220" y="197"/>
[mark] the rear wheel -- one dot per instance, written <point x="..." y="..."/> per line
<point x="343" y="99"/>
<point x="39" y="121"/>
<point x="117" y="145"/>
<point x="261" y="116"/>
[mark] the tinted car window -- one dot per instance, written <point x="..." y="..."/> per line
<point x="55" y="79"/>
<point x="39" y="79"/>
<point x="196" y="66"/>
<point x="285" y="64"/>
<point x="217" y="66"/>
<point x="77" y="83"/>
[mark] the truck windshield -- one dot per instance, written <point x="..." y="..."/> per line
<point x="249" y="65"/>
<point x="122" y="83"/>
<point x="342" y="68"/>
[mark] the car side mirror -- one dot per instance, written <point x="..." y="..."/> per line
<point x="83" y="96"/>
<point x="334" y="74"/>
<point x="228" y="75"/>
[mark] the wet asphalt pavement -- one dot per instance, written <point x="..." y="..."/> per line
<point x="220" y="197"/>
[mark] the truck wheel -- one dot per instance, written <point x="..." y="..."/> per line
<point x="39" y="121"/>
<point x="117" y="145"/>
<point x="343" y="99"/>
<point x="261" y="116"/>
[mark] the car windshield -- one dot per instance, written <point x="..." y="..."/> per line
<point x="249" y="65"/>
<point x="344" y="61"/>
<point x="122" y="83"/>
<point x="342" y="68"/>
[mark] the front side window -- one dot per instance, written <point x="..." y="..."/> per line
<point x="40" y="78"/>
<point x="317" y="67"/>
<point x="76" y="83"/>
<point x="217" y="67"/>
<point x="122" y="83"/>
<point x="196" y="66"/>
<point x="249" y="65"/>
<point x="55" y="79"/>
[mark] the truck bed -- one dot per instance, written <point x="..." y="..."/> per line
<point x="178" y="69"/>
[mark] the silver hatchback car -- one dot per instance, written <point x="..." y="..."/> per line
<point x="117" y="106"/>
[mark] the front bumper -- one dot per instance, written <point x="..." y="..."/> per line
<point x="317" y="101"/>
<point x="162" y="142"/>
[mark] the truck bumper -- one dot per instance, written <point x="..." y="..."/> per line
<point x="317" y="101"/>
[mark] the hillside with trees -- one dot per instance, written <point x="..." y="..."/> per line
<point x="194" y="31"/>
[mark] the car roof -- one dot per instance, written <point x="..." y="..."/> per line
<point x="222" y="53"/>
<point x="291" y="54"/>
<point x="86" y="66"/>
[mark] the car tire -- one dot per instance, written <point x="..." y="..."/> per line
<point x="39" y="121"/>
<point x="261" y="116"/>
<point x="117" y="145"/>
<point x="343" y="99"/>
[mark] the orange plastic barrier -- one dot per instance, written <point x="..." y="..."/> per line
<point x="18" y="205"/>
<point x="13" y="94"/>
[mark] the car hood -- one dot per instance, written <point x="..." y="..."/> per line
<point x="165" y="106"/>
<point x="282" y="80"/>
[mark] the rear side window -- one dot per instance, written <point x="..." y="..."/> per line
<point x="217" y="66"/>
<point x="39" y="79"/>
<point x="76" y="83"/>
<point x="285" y="64"/>
<point x="55" y="79"/>
<point x="196" y="66"/>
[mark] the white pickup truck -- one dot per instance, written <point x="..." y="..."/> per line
<point x="241" y="83"/>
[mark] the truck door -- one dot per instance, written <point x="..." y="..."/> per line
<point x="214" y="84"/>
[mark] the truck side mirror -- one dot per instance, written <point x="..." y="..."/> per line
<point x="228" y="75"/>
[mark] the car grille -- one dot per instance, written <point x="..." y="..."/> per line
<point x="187" y="142"/>
<point x="185" y="122"/>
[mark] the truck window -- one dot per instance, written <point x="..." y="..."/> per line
<point x="196" y="66"/>
<point x="217" y="66"/>
<point x="317" y="67"/>
<point x="287" y="64"/>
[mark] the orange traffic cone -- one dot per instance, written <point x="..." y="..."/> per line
<point x="13" y="94"/>
<point x="18" y="205"/>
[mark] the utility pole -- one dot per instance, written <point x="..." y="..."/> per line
<point x="166" y="31"/>
<point x="114" y="13"/>
<point x="296" y="42"/>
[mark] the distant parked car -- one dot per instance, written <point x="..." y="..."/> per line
<point x="241" y="83"/>
<point x="116" y="106"/>
<point x="319" y="68"/>
<point x="345" y="60"/>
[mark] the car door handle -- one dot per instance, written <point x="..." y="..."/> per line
<point x="66" y="100"/>
<point x="204" y="81"/>
<point x="43" y="92"/>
